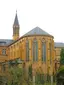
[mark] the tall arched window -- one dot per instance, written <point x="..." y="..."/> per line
<point x="27" y="50"/>
<point x="35" y="50"/>
<point x="50" y="51"/>
<point x="44" y="51"/>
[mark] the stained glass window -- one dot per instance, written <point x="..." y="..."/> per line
<point x="35" y="50"/>
<point x="43" y="51"/>
<point x="50" y="51"/>
<point x="27" y="50"/>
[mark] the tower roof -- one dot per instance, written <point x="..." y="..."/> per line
<point x="37" y="31"/>
<point x="16" y="22"/>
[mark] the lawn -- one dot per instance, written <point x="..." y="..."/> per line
<point x="50" y="84"/>
<point x="46" y="84"/>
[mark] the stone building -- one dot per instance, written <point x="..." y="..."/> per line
<point x="36" y="47"/>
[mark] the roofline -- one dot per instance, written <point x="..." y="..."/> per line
<point x="58" y="47"/>
<point x="37" y="35"/>
<point x="3" y="46"/>
<point x="28" y="36"/>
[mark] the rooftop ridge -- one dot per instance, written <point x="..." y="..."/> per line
<point x="37" y="31"/>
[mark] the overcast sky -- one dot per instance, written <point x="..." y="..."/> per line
<point x="47" y="14"/>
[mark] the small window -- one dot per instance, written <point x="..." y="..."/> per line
<point x="4" y="51"/>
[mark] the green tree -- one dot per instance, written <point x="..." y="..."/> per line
<point x="62" y="57"/>
<point x="16" y="75"/>
<point x="60" y="76"/>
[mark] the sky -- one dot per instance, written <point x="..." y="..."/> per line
<point x="46" y="14"/>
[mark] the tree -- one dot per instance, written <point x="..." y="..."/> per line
<point x="60" y="72"/>
<point x="16" y="75"/>
<point x="62" y="57"/>
<point x="60" y="76"/>
<point x="1" y="80"/>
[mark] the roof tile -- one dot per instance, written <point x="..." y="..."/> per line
<point x="37" y="31"/>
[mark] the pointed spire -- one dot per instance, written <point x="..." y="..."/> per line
<point x="16" y="28"/>
<point x="16" y="22"/>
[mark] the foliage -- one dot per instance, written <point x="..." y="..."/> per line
<point x="19" y="77"/>
<point x="28" y="77"/>
<point x="16" y="75"/>
<point x="3" y="80"/>
<point x="39" y="78"/>
<point x="60" y="72"/>
<point x="61" y="69"/>
<point x="62" y="57"/>
<point x="30" y="71"/>
<point x="60" y="75"/>
<point x="48" y="78"/>
<point x="14" y="62"/>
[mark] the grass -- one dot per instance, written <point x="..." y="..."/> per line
<point x="46" y="84"/>
<point x="49" y="84"/>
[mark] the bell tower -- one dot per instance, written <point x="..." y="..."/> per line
<point x="16" y="28"/>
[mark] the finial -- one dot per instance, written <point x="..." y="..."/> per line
<point x="16" y="11"/>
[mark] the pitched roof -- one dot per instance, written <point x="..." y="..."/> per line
<point x="5" y="42"/>
<point x="37" y="31"/>
<point x="58" y="44"/>
<point x="16" y="22"/>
